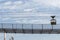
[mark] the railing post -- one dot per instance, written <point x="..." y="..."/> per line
<point x="32" y="28"/>
<point x="42" y="28"/>
<point x="22" y="29"/>
<point x="52" y="28"/>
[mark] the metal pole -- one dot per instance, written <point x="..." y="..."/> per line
<point x="52" y="29"/>
<point x="42" y="28"/>
<point x="4" y="35"/>
<point x="32" y="28"/>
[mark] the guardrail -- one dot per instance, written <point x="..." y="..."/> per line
<point x="29" y="28"/>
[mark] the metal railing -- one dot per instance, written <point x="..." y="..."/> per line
<point x="29" y="28"/>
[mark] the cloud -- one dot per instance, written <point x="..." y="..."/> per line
<point x="11" y="5"/>
<point x="30" y="6"/>
<point x="26" y="18"/>
<point x="17" y="15"/>
<point x="18" y="2"/>
<point x="33" y="21"/>
<point x="55" y="3"/>
<point x="32" y="18"/>
<point x="5" y="18"/>
<point x="8" y="3"/>
<point x="29" y="11"/>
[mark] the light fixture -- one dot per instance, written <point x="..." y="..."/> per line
<point x="53" y="21"/>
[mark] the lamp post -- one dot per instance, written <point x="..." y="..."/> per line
<point x="53" y="21"/>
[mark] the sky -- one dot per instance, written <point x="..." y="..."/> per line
<point x="30" y="12"/>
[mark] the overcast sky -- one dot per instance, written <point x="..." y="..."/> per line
<point x="30" y="11"/>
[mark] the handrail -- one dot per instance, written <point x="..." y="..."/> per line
<point x="29" y="28"/>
